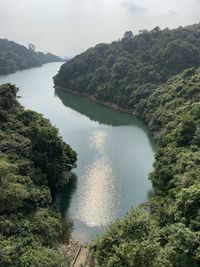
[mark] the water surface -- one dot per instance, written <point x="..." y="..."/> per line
<point x="115" y="151"/>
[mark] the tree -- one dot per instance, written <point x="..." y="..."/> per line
<point x="31" y="47"/>
<point x="128" y="35"/>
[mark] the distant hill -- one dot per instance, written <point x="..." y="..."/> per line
<point x="15" y="57"/>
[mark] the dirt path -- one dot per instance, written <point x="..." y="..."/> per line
<point x="81" y="257"/>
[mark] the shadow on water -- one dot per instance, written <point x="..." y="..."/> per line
<point x="62" y="201"/>
<point x="100" y="113"/>
<point x="96" y="111"/>
<point x="150" y="194"/>
<point x="63" y="198"/>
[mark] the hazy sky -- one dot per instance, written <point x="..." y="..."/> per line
<point x="65" y="26"/>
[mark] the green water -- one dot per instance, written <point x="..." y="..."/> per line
<point x="115" y="152"/>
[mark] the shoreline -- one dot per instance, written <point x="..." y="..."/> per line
<point x="28" y="68"/>
<point x="111" y="105"/>
<point x="93" y="98"/>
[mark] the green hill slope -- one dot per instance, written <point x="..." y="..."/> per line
<point x="15" y="57"/>
<point x="115" y="72"/>
<point x="34" y="163"/>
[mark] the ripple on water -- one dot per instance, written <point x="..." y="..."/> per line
<point x="96" y="196"/>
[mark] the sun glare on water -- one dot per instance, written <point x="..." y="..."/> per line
<point x="96" y="193"/>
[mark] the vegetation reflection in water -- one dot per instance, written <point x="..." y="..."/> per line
<point x="97" y="112"/>
<point x="104" y="191"/>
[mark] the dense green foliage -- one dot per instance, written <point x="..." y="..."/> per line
<point x="34" y="162"/>
<point x="123" y="71"/>
<point x="15" y="57"/>
<point x="157" y="75"/>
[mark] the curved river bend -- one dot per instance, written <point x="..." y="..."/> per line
<point x="115" y="151"/>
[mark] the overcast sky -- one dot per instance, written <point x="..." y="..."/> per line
<point x="67" y="26"/>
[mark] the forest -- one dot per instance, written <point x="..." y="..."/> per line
<point x="35" y="163"/>
<point x="155" y="73"/>
<point x="15" y="57"/>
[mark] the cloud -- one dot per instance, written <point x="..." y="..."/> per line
<point x="172" y="12"/>
<point x="131" y="7"/>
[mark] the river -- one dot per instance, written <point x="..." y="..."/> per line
<point x="115" y="151"/>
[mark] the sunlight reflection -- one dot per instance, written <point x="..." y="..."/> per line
<point x="97" y="140"/>
<point x="96" y="194"/>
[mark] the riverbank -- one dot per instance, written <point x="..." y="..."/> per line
<point x="75" y="251"/>
<point x="93" y="98"/>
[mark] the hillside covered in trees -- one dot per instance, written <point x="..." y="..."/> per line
<point x="34" y="163"/>
<point x="15" y="57"/>
<point x="124" y="71"/>
<point x="156" y="73"/>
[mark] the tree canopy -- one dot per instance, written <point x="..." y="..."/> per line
<point x="34" y="163"/>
